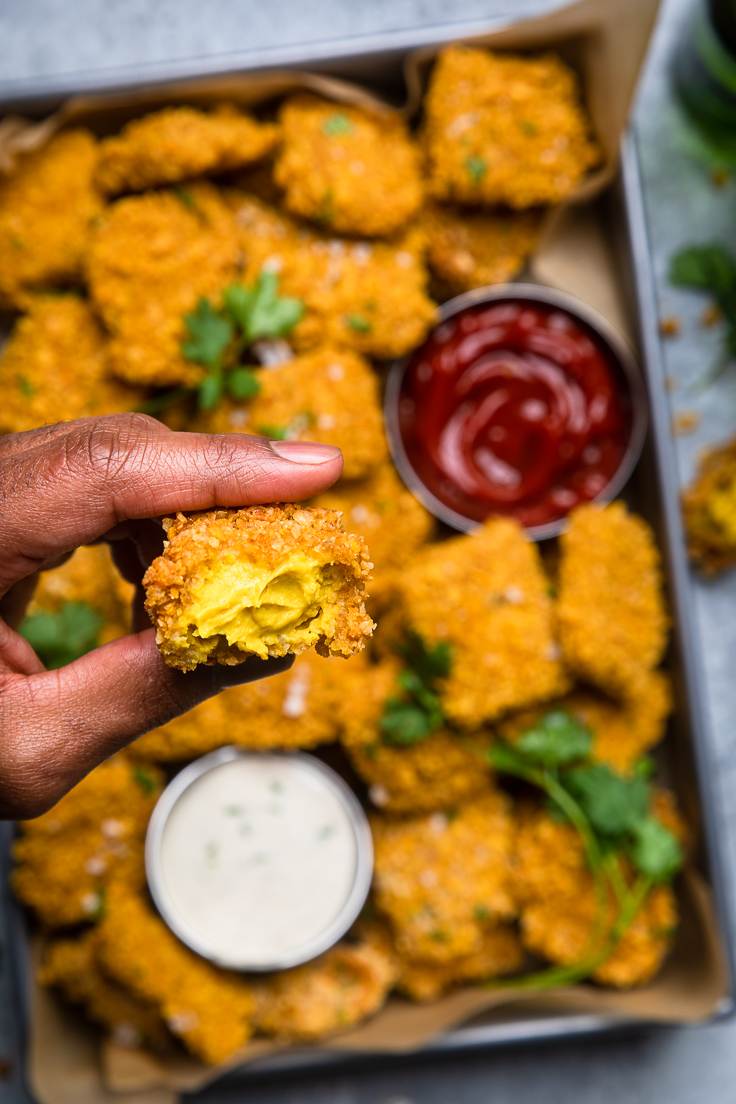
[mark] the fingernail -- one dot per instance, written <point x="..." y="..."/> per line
<point x="304" y="452"/>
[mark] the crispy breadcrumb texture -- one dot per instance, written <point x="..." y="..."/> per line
<point x="500" y="953"/>
<point x="265" y="580"/>
<point x="370" y="296"/>
<point x="208" y="1009"/>
<point x="441" y="879"/>
<point x="329" y="395"/>
<point x="151" y="259"/>
<point x="54" y="367"/>
<point x="611" y="612"/>
<point x="468" y="249"/>
<point x="505" y="128"/>
<point x="354" y="171"/>
<point x="559" y="908"/>
<point x="47" y="207"/>
<point x="89" y="576"/>
<point x="335" y="992"/>
<point x="709" y="511"/>
<point x="178" y="143"/>
<point x="486" y="595"/>
<point x="438" y="772"/>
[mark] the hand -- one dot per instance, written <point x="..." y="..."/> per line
<point x="106" y="478"/>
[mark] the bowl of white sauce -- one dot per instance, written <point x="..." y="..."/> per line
<point x="258" y="860"/>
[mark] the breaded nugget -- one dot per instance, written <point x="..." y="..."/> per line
<point x="393" y="522"/>
<point x="467" y="249"/>
<point x="71" y="966"/>
<point x="150" y="260"/>
<point x="487" y="596"/>
<point x="611" y="614"/>
<point x="354" y="171"/>
<point x="504" y="128"/>
<point x="500" y="953"/>
<point x="297" y="709"/>
<point x="622" y="731"/>
<point x="209" y="1009"/>
<point x="178" y="143"/>
<point x="329" y="395"/>
<point x="441" y="880"/>
<point x="47" y="206"/>
<point x="559" y="907"/>
<point x="709" y="511"/>
<point x="437" y="773"/>
<point x="344" y="986"/>
<point x="265" y="580"/>
<point x="369" y="296"/>
<point x="53" y="367"/>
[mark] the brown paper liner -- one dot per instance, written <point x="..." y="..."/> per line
<point x="606" y="43"/>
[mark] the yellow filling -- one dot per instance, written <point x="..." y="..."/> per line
<point x="256" y="610"/>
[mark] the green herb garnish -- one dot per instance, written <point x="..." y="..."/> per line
<point x="187" y="199"/>
<point x="143" y="778"/>
<point x="288" y="432"/>
<point x="528" y="127"/>
<point x="711" y="268"/>
<point x="417" y="712"/>
<point x="337" y="124"/>
<point x="555" y="740"/>
<point x="260" y="311"/>
<point x="359" y="323"/>
<point x="209" y="333"/>
<point x="476" y="167"/>
<point x="25" y="386"/>
<point x="61" y="637"/>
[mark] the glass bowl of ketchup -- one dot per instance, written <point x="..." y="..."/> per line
<point x="521" y="402"/>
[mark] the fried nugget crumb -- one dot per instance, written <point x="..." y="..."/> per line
<point x="501" y="952"/>
<point x="670" y="326"/>
<point x="685" y="422"/>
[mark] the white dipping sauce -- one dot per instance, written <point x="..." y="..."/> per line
<point x="257" y="860"/>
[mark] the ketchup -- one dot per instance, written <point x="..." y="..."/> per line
<point x="514" y="408"/>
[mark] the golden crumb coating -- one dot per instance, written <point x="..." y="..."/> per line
<point x="559" y="910"/>
<point x="393" y="522"/>
<point x="208" y="1009"/>
<point x="151" y="259"/>
<point x="442" y="879"/>
<point x="487" y="596"/>
<point x="89" y="576"/>
<point x="354" y="171"/>
<point x="611" y="613"/>
<point x="54" y="368"/>
<point x="622" y="731"/>
<point x="709" y="511"/>
<point x="333" y="993"/>
<point x="369" y="296"/>
<point x="71" y="965"/>
<point x="47" y="206"/>
<point x="265" y="580"/>
<point x="503" y="128"/>
<point x="178" y="143"/>
<point x="468" y="249"/>
<point x="500" y="953"/>
<point x="299" y="708"/>
<point x="438" y="772"/>
<point x="329" y="395"/>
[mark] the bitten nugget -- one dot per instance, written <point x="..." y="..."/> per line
<point x="151" y="259"/>
<point x="502" y="128"/>
<point x="487" y="596"/>
<point x="265" y="581"/>
<point x="559" y="910"/>
<point x="330" y="395"/>
<point x="178" y="143"/>
<point x="442" y="880"/>
<point x="53" y="368"/>
<point x="500" y="953"/>
<point x="353" y="171"/>
<point x="47" y="206"/>
<point x="369" y="296"/>
<point x="336" y="991"/>
<point x="209" y="1009"/>
<point x="709" y="508"/>
<point x="612" y="619"/>
<point x="467" y="249"/>
<point x="438" y="772"/>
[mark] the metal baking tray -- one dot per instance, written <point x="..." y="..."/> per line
<point x="377" y="62"/>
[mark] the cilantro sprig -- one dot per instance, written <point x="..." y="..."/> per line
<point x="415" y="713"/>
<point x="61" y="637"/>
<point x="711" y="268"/>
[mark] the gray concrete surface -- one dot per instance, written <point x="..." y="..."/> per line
<point x="49" y="37"/>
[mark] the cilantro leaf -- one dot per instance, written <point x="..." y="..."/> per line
<point x="208" y="335"/>
<point x="243" y="383"/>
<point x="404" y="723"/>
<point x="614" y="805"/>
<point x="655" y="851"/>
<point x="61" y="637"/>
<point x="210" y="391"/>
<point x="337" y="124"/>
<point x="429" y="661"/>
<point x="260" y="311"/>
<point x="418" y="713"/>
<point x="359" y="323"/>
<point x="555" y="740"/>
<point x="505" y="758"/>
<point x="25" y="386"/>
<point x="476" y="167"/>
<point x="705" y="267"/>
<point x="274" y="432"/>
<point x="143" y="778"/>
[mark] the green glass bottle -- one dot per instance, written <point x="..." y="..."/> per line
<point x="705" y="78"/>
